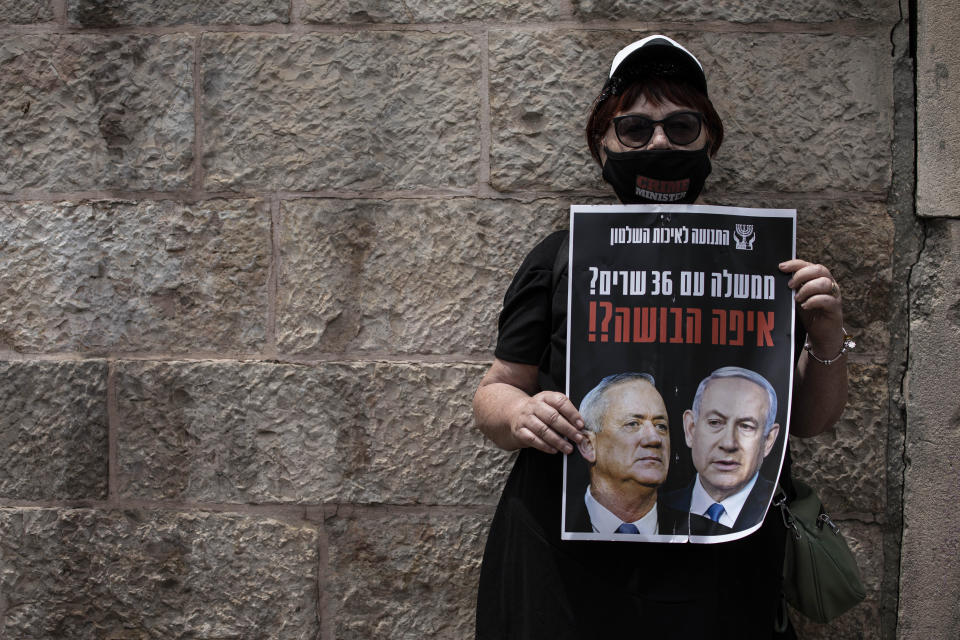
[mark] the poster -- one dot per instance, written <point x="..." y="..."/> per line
<point x="680" y="356"/>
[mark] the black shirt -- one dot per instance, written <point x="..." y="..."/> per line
<point x="534" y="585"/>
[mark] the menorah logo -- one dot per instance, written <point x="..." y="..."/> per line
<point x="744" y="236"/>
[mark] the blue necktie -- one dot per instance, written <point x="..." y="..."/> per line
<point x="715" y="511"/>
<point x="627" y="527"/>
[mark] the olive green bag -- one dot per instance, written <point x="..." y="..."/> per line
<point x="820" y="575"/>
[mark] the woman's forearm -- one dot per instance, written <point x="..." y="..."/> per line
<point x="820" y="395"/>
<point x="494" y="406"/>
<point x="510" y="410"/>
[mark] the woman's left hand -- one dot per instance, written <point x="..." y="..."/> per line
<point x="821" y="307"/>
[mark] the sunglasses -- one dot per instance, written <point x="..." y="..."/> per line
<point x="635" y="131"/>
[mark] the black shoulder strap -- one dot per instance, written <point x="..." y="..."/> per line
<point x="560" y="262"/>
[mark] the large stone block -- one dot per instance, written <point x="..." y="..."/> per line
<point x="864" y="621"/>
<point x="938" y="108"/>
<point x="114" y="13"/>
<point x="404" y="276"/>
<point x="96" y="112"/>
<point x="401" y="575"/>
<point x="246" y="432"/>
<point x="855" y="241"/>
<point x="134" y="276"/>
<point x="541" y="89"/>
<point x="373" y="110"/>
<point x="414" y="11"/>
<point x="736" y="11"/>
<point x="53" y="430"/>
<point x="930" y="567"/>
<point x="25" y="11"/>
<point x="133" y="574"/>
<point x="802" y="112"/>
<point x="847" y="465"/>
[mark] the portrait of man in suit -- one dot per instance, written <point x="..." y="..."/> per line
<point x="627" y="450"/>
<point x="730" y="429"/>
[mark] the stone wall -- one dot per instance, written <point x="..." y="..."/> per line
<point x="930" y="575"/>
<point x="251" y="257"/>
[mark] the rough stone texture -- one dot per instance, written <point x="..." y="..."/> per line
<point x="94" y="112"/>
<point x="25" y="11"/>
<point x="938" y="108"/>
<point x="846" y="465"/>
<point x="802" y="112"/>
<point x="97" y="101"/>
<point x="405" y="276"/>
<point x="930" y="573"/>
<point x="365" y="433"/>
<point x="53" y="430"/>
<point x="826" y="232"/>
<point x="414" y="11"/>
<point x="404" y="576"/>
<point x="541" y="89"/>
<point x="908" y="242"/>
<point x="134" y="276"/>
<point x="132" y="574"/>
<point x="114" y="13"/>
<point x="735" y="10"/>
<point x="326" y="111"/>
<point x="863" y="622"/>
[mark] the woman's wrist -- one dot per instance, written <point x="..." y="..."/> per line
<point x="828" y="354"/>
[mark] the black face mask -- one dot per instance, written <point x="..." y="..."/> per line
<point x="657" y="176"/>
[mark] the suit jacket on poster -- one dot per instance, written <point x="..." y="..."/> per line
<point x="751" y="514"/>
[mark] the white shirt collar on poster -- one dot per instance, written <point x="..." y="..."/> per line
<point x="700" y="501"/>
<point x="605" y="522"/>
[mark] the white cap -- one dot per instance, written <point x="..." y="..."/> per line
<point x="659" y="55"/>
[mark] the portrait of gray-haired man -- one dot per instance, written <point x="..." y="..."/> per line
<point x="730" y="429"/>
<point x="627" y="450"/>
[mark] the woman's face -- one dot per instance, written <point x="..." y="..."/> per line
<point x="659" y="140"/>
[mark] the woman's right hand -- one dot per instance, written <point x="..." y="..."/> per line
<point x="513" y="414"/>
<point x="546" y="421"/>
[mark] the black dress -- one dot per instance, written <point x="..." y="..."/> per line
<point x="534" y="585"/>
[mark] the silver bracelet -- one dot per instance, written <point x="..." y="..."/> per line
<point x="848" y="345"/>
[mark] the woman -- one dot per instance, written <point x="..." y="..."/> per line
<point x="653" y="119"/>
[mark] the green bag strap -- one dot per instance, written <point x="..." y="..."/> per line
<point x="822" y="518"/>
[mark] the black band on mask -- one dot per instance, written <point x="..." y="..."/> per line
<point x="658" y="176"/>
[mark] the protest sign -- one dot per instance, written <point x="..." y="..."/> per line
<point x="684" y="294"/>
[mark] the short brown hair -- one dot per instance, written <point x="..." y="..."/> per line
<point x="656" y="90"/>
